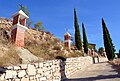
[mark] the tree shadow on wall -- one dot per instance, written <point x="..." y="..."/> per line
<point x="62" y="67"/>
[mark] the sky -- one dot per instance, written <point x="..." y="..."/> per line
<point x="58" y="15"/>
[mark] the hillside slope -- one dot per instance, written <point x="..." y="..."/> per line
<point x="39" y="46"/>
<point x="44" y="44"/>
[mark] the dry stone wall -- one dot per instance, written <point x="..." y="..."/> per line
<point x="52" y="70"/>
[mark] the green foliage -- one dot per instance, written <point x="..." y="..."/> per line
<point x="39" y="26"/>
<point x="24" y="9"/>
<point x="85" y="41"/>
<point x="90" y="47"/>
<point x="29" y="23"/>
<point x="119" y="51"/>
<point x="78" y="42"/>
<point x="100" y="50"/>
<point x="109" y="48"/>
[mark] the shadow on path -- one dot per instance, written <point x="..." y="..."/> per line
<point x="100" y="77"/>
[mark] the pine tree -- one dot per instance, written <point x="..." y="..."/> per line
<point x="78" y="41"/>
<point x="109" y="48"/>
<point x="85" y="41"/>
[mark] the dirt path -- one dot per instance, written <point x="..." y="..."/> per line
<point x="97" y="72"/>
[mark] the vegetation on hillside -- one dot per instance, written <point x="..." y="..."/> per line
<point x="8" y="53"/>
<point x="100" y="50"/>
<point x="109" y="48"/>
<point x="78" y="42"/>
<point x="39" y="26"/>
<point x="47" y="46"/>
<point x="25" y="10"/>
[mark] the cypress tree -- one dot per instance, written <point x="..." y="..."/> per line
<point x="85" y="41"/>
<point x="78" y="41"/>
<point x="109" y="48"/>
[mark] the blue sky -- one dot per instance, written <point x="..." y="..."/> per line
<point x="57" y="16"/>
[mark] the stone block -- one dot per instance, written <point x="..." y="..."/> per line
<point x="31" y="70"/>
<point x="10" y="68"/>
<point x="37" y="65"/>
<point x="39" y="71"/>
<point x="56" y="80"/>
<point x="2" y="77"/>
<point x="32" y="78"/>
<point x="25" y="79"/>
<point x="45" y="69"/>
<point x="23" y="66"/>
<point x="17" y="79"/>
<point x="47" y="73"/>
<point x="43" y="79"/>
<point x="40" y="64"/>
<point x="10" y="74"/>
<point x="16" y="67"/>
<point x="21" y="73"/>
<point x="37" y="76"/>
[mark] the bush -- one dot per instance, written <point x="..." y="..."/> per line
<point x="57" y="48"/>
<point x="61" y="57"/>
<point x="75" y="54"/>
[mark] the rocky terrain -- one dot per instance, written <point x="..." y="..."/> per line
<point x="39" y="46"/>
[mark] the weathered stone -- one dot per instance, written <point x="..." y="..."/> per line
<point x="45" y="71"/>
<point x="43" y="78"/>
<point x="10" y="74"/>
<point x="36" y="65"/>
<point x="27" y="56"/>
<point x="16" y="67"/>
<point x="39" y="70"/>
<point x="24" y="66"/>
<point x="56" y="80"/>
<point x="2" y="77"/>
<point x="37" y="76"/>
<point x="10" y="68"/>
<point x="40" y="64"/>
<point x="31" y="77"/>
<point x="17" y="79"/>
<point x="33" y="80"/>
<point x="25" y="79"/>
<point x="31" y="70"/>
<point x="21" y="73"/>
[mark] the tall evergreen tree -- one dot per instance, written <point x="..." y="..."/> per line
<point x="109" y="48"/>
<point x="78" y="41"/>
<point x="85" y="41"/>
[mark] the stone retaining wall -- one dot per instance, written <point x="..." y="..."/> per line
<point x="52" y="70"/>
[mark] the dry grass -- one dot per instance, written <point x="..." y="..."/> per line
<point x="46" y="45"/>
<point x="10" y="57"/>
<point x="43" y="51"/>
<point x="49" y="51"/>
<point x="57" y="48"/>
<point x="36" y="50"/>
<point x="75" y="54"/>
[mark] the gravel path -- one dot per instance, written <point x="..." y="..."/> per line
<point x="97" y="72"/>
